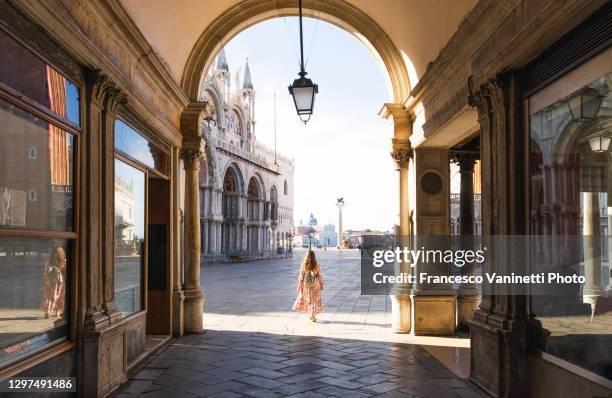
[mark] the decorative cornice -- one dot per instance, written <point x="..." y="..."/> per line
<point x="395" y="110"/>
<point x="191" y="118"/>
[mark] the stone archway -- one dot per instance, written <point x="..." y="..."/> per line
<point x="338" y="12"/>
<point x="393" y="65"/>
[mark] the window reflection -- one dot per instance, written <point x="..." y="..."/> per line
<point x="36" y="172"/>
<point x="131" y="143"/>
<point x="571" y="197"/>
<point x="129" y="236"/>
<point x="33" y="301"/>
<point x="24" y="72"/>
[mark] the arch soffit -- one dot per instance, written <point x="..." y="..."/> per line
<point x="250" y="12"/>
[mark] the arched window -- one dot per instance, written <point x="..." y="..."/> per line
<point x="253" y="200"/>
<point x="286" y="188"/>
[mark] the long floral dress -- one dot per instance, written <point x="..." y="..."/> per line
<point x="54" y="275"/>
<point x="309" y="295"/>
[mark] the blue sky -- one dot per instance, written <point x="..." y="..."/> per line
<point x="344" y="149"/>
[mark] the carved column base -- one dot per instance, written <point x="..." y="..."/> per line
<point x="178" y="313"/>
<point x="498" y="351"/>
<point x="400" y="313"/>
<point x="95" y="320"/>
<point x="112" y="312"/>
<point x="467" y="304"/>
<point x="194" y="311"/>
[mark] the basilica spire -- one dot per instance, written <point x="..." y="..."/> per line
<point x="248" y="83"/>
<point x="222" y="61"/>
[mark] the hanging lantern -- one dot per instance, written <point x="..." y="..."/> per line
<point x="585" y="105"/>
<point x="303" y="90"/>
<point x="599" y="143"/>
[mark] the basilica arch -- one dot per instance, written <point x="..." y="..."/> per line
<point x="248" y="13"/>
<point x="256" y="215"/>
<point x="232" y="194"/>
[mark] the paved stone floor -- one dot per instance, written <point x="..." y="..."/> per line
<point x="255" y="346"/>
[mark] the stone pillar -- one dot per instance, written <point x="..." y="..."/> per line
<point x="194" y="297"/>
<point x="178" y="297"/>
<point x="402" y="153"/>
<point x="592" y="249"/>
<point x="499" y="329"/>
<point x="192" y="152"/>
<point x="100" y="332"/>
<point x="469" y="297"/>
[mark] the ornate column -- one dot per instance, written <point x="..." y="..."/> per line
<point x="98" y="310"/>
<point x="402" y="154"/>
<point x="468" y="297"/>
<point x="500" y="326"/>
<point x="178" y="297"/>
<point x="192" y="153"/>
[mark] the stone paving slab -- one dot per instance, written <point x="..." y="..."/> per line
<point x="255" y="346"/>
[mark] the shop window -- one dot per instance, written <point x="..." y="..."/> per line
<point x="130" y="200"/>
<point x="48" y="178"/>
<point x="36" y="203"/>
<point x="27" y="74"/>
<point x="131" y="143"/>
<point x="34" y="305"/>
<point x="571" y="193"/>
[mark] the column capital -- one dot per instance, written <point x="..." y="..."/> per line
<point x="104" y="92"/>
<point x="192" y="152"/>
<point x="465" y="160"/>
<point x="402" y="152"/>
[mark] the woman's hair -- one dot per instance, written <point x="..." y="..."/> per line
<point x="310" y="261"/>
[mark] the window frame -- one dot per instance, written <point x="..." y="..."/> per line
<point x="27" y="104"/>
<point x="118" y="155"/>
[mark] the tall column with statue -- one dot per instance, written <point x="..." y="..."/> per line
<point x="340" y="205"/>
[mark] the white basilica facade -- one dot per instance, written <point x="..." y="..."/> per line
<point x="246" y="189"/>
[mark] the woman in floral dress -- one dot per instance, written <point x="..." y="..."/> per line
<point x="310" y="287"/>
<point x="54" y="276"/>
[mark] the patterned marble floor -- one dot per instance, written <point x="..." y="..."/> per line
<point x="255" y="346"/>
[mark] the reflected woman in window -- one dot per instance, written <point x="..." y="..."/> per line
<point x="54" y="277"/>
<point x="310" y="287"/>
